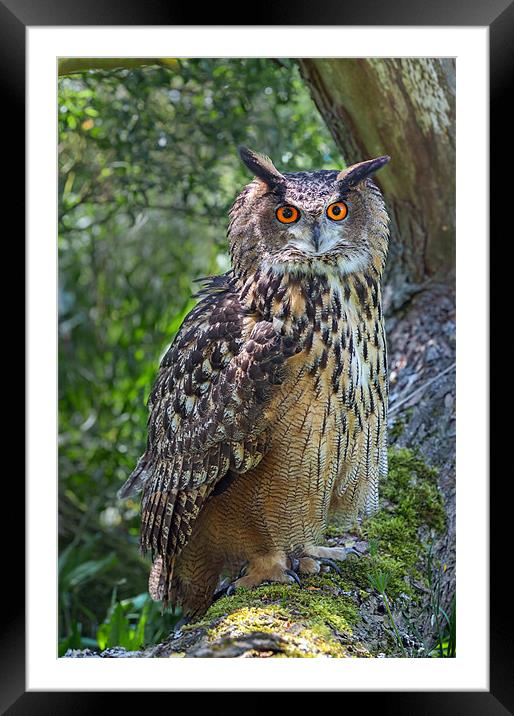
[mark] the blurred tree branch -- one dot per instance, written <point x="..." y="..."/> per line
<point x="74" y="65"/>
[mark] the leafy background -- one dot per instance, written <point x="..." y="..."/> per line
<point x="148" y="169"/>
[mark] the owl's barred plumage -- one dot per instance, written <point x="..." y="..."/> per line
<point x="269" y="411"/>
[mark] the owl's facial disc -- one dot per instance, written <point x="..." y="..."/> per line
<point x="325" y="235"/>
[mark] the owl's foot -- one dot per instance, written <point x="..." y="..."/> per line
<point x="259" y="571"/>
<point x="273" y="567"/>
<point x="282" y="568"/>
<point x="317" y="557"/>
<point x="308" y="565"/>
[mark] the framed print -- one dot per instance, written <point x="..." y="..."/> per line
<point x="331" y="178"/>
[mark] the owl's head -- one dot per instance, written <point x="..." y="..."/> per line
<point x="321" y="221"/>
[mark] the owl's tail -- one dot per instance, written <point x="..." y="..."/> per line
<point x="161" y="584"/>
<point x="190" y="585"/>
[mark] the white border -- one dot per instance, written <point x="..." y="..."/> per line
<point x="469" y="671"/>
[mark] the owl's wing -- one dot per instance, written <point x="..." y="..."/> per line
<point x="207" y="414"/>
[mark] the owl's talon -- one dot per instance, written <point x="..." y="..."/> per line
<point x="330" y="563"/>
<point x="295" y="563"/>
<point x="351" y="550"/>
<point x="181" y="622"/>
<point x="227" y="589"/>
<point x="243" y="570"/>
<point x="327" y="556"/>
<point x="293" y="575"/>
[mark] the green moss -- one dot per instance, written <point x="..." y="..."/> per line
<point x="298" y="638"/>
<point x="413" y="504"/>
<point x="411" y="486"/>
<point x="315" y="620"/>
<point x="312" y="601"/>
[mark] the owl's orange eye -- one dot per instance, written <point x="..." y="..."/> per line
<point x="337" y="211"/>
<point x="287" y="214"/>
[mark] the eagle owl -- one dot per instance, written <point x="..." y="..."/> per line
<point x="269" y="411"/>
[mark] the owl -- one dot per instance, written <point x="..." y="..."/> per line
<point x="269" y="412"/>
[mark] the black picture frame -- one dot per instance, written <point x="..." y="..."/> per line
<point x="498" y="15"/>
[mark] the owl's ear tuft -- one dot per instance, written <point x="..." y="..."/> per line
<point x="261" y="166"/>
<point x="351" y="176"/>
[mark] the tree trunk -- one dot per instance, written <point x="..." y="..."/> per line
<point x="404" y="108"/>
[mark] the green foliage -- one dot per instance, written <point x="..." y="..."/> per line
<point x="446" y="645"/>
<point x="379" y="579"/>
<point x="78" y="568"/>
<point x="444" y="624"/>
<point x="132" y="623"/>
<point x="117" y="630"/>
<point x="147" y="171"/>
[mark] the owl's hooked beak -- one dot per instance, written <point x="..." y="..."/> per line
<point x="316" y="236"/>
<point x="310" y="238"/>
